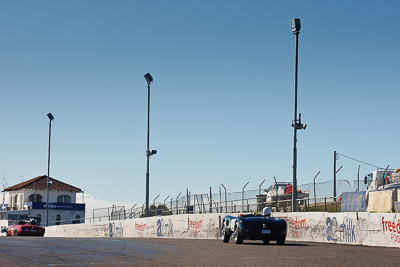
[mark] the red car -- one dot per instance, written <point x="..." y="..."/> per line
<point x="26" y="228"/>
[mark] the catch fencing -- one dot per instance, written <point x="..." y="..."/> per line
<point x="320" y="199"/>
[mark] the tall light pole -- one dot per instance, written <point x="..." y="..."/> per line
<point x="149" y="80"/>
<point x="51" y="118"/>
<point x="296" y="124"/>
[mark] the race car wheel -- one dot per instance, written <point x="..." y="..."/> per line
<point x="225" y="236"/>
<point x="281" y="240"/>
<point x="266" y="241"/>
<point x="238" y="238"/>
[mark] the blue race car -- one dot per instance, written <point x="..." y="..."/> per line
<point x="254" y="227"/>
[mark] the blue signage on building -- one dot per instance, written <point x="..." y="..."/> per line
<point x="55" y="206"/>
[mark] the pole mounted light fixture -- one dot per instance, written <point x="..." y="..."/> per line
<point x="296" y="123"/>
<point x="149" y="153"/>
<point x="148" y="78"/>
<point x="296" y="25"/>
<point x="51" y="118"/>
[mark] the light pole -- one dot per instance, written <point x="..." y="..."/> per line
<point x="149" y="80"/>
<point x="296" y="124"/>
<point x="51" y="118"/>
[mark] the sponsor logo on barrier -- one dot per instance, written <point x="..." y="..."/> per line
<point x="194" y="226"/>
<point x="296" y="227"/>
<point x="115" y="230"/>
<point x="165" y="229"/>
<point x="140" y="227"/>
<point x="393" y="228"/>
<point x="340" y="232"/>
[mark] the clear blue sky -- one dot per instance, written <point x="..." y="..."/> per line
<point x="222" y="98"/>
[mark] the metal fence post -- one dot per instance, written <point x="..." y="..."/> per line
<point x="210" y="200"/>
<point x="315" y="204"/>
<point x="336" y="204"/>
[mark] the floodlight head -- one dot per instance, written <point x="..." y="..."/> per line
<point x="296" y="25"/>
<point x="148" y="78"/>
<point x="151" y="152"/>
<point x="304" y="126"/>
<point x="50" y="116"/>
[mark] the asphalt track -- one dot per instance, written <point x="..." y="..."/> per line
<point x="37" y="251"/>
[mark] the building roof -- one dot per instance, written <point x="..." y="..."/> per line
<point x="40" y="184"/>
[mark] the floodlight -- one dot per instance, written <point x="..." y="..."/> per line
<point x="148" y="78"/>
<point x="50" y="116"/>
<point x="296" y="25"/>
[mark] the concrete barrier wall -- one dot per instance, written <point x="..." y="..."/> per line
<point x="205" y="226"/>
<point x="363" y="228"/>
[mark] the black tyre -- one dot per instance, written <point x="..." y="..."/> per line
<point x="266" y="241"/>
<point x="225" y="236"/>
<point x="238" y="237"/>
<point x="281" y="240"/>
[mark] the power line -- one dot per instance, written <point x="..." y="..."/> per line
<point x="359" y="161"/>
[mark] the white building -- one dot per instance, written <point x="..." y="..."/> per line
<point x="28" y="199"/>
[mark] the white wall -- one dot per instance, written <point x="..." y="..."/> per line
<point x="363" y="228"/>
<point x="178" y="226"/>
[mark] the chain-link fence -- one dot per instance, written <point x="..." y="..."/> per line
<point x="313" y="197"/>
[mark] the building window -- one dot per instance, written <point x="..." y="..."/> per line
<point x="35" y="198"/>
<point x="63" y="199"/>
<point x="15" y="207"/>
<point x="58" y="219"/>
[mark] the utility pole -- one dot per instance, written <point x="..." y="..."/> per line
<point x="334" y="175"/>
<point x="358" y="179"/>
<point x="210" y="200"/>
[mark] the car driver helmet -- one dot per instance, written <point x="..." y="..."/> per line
<point x="267" y="211"/>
